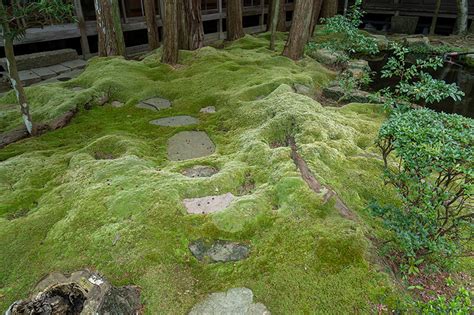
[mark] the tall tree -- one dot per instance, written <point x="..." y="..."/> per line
<point x="151" y="25"/>
<point x="170" y="33"/>
<point x="190" y="26"/>
<point x="435" y="17"/>
<point x="462" y="16"/>
<point x="315" y="16"/>
<point x="15" y="18"/>
<point x="329" y="8"/>
<point x="109" y="28"/>
<point x="299" y="32"/>
<point x="235" y="29"/>
<point x="274" y="22"/>
<point x="281" y="25"/>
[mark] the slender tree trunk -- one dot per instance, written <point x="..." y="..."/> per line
<point x="346" y="6"/>
<point x="281" y="26"/>
<point x="329" y="8"/>
<point x="82" y="29"/>
<point x="462" y="16"/>
<point x="435" y="17"/>
<point x="299" y="32"/>
<point x="170" y="36"/>
<point x="274" y="22"/>
<point x="190" y="26"/>
<point x="315" y="16"/>
<point x="15" y="78"/>
<point x="109" y="28"/>
<point x="235" y="29"/>
<point x="151" y="25"/>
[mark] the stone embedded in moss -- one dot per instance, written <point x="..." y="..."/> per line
<point x="218" y="251"/>
<point x="200" y="171"/>
<point x="156" y="104"/>
<point x="208" y="110"/>
<point x="190" y="145"/>
<point x="209" y="204"/>
<point x="175" y="121"/>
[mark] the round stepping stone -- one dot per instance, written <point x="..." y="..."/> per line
<point x="175" y="121"/>
<point x="236" y="301"/>
<point x="189" y="145"/>
<point x="209" y="204"/>
<point x="200" y="171"/>
<point x="208" y="110"/>
<point x="155" y="103"/>
<point x="218" y="251"/>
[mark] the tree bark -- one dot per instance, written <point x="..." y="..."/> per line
<point x="15" y="78"/>
<point x="329" y="8"/>
<point x="190" y="26"/>
<point x="435" y="17"/>
<point x="281" y="26"/>
<point x="315" y="16"/>
<point x="462" y="16"/>
<point x="235" y="29"/>
<point x="299" y="32"/>
<point x="109" y="28"/>
<point x="151" y="25"/>
<point x="274" y="22"/>
<point x="170" y="35"/>
<point x="82" y="29"/>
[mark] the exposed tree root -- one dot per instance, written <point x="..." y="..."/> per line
<point x="315" y="185"/>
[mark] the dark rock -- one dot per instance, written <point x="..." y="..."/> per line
<point x="218" y="251"/>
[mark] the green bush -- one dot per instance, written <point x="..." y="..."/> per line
<point x="460" y="304"/>
<point x="350" y="39"/>
<point x="429" y="159"/>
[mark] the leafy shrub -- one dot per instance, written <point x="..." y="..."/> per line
<point x="433" y="175"/>
<point x="460" y="304"/>
<point x="415" y="85"/>
<point x="351" y="40"/>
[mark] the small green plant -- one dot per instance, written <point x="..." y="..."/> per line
<point x="350" y="39"/>
<point x="415" y="85"/>
<point x="349" y="83"/>
<point x="429" y="159"/>
<point x="460" y="304"/>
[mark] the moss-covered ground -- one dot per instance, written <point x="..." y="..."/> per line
<point x="62" y="208"/>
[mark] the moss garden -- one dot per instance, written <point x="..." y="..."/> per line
<point x="102" y="193"/>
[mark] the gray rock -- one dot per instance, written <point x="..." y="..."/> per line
<point x="236" y="301"/>
<point x="82" y="292"/>
<point x="209" y="204"/>
<point x="28" y="77"/>
<point x="218" y="251"/>
<point x="77" y="89"/>
<point x="208" y="110"/>
<point x="189" y="145"/>
<point x="75" y="64"/>
<point x="44" y="72"/>
<point x="417" y="40"/>
<point x="175" y="121"/>
<point x="156" y="103"/>
<point x="58" y="69"/>
<point x="200" y="171"/>
<point x="327" y="57"/>
<point x="117" y="104"/>
<point x="358" y="68"/>
<point x="45" y="59"/>
<point x="382" y="42"/>
<point x="336" y="93"/>
<point x="302" y="89"/>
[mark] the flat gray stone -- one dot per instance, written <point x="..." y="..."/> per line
<point x="218" y="251"/>
<point x="28" y="77"/>
<point x="327" y="57"/>
<point x="117" y="104"/>
<point x="302" y="89"/>
<point x="58" y="69"/>
<point x="156" y="103"/>
<point x="209" y="204"/>
<point x="208" y="110"/>
<point x="175" y="121"/>
<point x="77" y="89"/>
<point x="189" y="145"/>
<point x="44" y="72"/>
<point x="200" y="171"/>
<point x="236" y="301"/>
<point x="44" y="58"/>
<point x="75" y="64"/>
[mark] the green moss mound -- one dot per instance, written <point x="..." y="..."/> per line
<point x="101" y="193"/>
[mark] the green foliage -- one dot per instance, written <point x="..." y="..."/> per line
<point x="349" y="83"/>
<point x="415" y="85"/>
<point x="433" y="175"/>
<point x="460" y="304"/>
<point x="351" y="41"/>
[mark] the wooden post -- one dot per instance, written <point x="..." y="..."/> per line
<point x="82" y="29"/>
<point x="151" y="25"/>
<point x="262" y="15"/>
<point x="219" y="26"/>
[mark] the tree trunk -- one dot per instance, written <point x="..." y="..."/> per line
<point x="462" y="16"/>
<point x="170" y="33"/>
<point x="299" y="32"/>
<point x="435" y="17"/>
<point x="190" y="26"/>
<point x="151" y="25"/>
<point x="281" y="26"/>
<point x="315" y="16"/>
<point x="329" y="8"/>
<point x="274" y="22"/>
<point x="109" y="28"/>
<point x="82" y="29"/>
<point x="235" y="29"/>
<point x="15" y="78"/>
